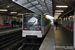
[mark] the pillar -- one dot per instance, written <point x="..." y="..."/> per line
<point x="74" y="29"/>
<point x="1" y="20"/>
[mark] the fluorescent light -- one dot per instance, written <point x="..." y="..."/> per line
<point x="70" y="16"/>
<point x="62" y="6"/>
<point x="3" y="10"/>
<point x="8" y="6"/>
<point x="49" y="17"/>
<point x="13" y="12"/>
<point x="13" y="0"/>
<point x="59" y="11"/>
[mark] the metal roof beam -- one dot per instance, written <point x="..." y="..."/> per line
<point x="46" y="6"/>
<point x="34" y="6"/>
<point x="27" y="3"/>
<point x="43" y="6"/>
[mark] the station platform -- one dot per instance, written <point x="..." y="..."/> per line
<point x="9" y="30"/>
<point x="63" y="38"/>
<point x="11" y="38"/>
<point x="58" y="39"/>
<point x="49" y="41"/>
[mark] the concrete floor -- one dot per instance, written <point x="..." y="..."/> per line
<point x="48" y="43"/>
<point x="63" y="38"/>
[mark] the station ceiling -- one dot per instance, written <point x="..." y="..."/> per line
<point x="36" y="6"/>
<point x="69" y="3"/>
<point x="12" y="7"/>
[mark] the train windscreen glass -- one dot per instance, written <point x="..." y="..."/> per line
<point x="32" y="22"/>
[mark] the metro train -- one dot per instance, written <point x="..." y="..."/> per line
<point x="34" y="25"/>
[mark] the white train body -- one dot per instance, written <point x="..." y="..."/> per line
<point x="34" y="25"/>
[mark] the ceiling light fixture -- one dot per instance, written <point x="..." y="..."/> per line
<point x="49" y="17"/>
<point x="64" y="6"/>
<point x="59" y="11"/>
<point x="13" y="12"/>
<point x="3" y="10"/>
<point x="13" y="0"/>
<point x="8" y="6"/>
<point x="70" y="16"/>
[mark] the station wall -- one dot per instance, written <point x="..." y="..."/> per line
<point x="5" y="19"/>
<point x="8" y="19"/>
<point x="1" y="20"/>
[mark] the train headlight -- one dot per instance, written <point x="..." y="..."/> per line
<point x="25" y="28"/>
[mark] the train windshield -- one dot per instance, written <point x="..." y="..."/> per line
<point x="32" y="22"/>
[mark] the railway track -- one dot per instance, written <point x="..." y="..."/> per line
<point x="31" y="44"/>
<point x="16" y="42"/>
<point x="30" y="47"/>
<point x="11" y="41"/>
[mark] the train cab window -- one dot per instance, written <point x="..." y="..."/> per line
<point x="31" y="22"/>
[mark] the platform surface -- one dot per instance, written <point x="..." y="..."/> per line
<point x="8" y="30"/>
<point x="48" y="43"/>
<point x="63" y="38"/>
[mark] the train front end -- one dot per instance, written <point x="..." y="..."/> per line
<point x="32" y="25"/>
